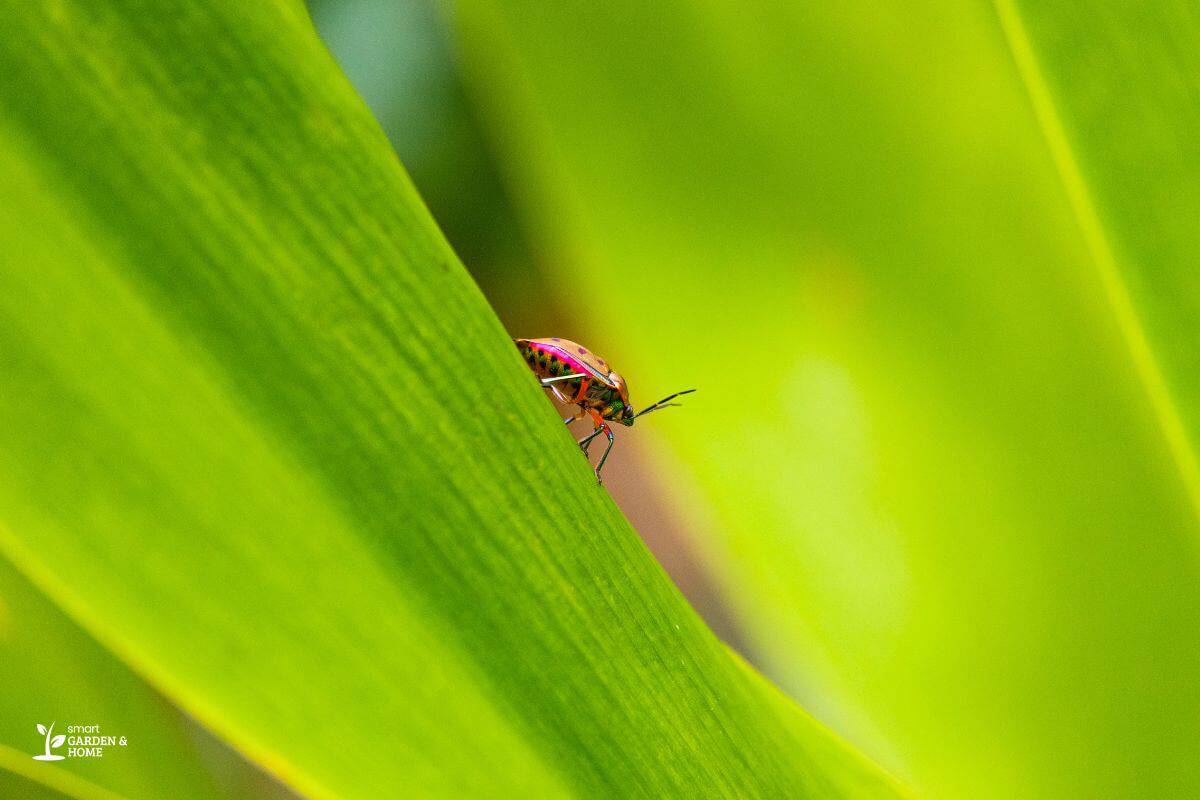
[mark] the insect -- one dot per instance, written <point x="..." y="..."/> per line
<point x="577" y="376"/>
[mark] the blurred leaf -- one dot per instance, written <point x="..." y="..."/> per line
<point x="263" y="439"/>
<point x="23" y="778"/>
<point x="51" y="669"/>
<point x="1113" y="87"/>
<point x="1116" y="102"/>
<point x="944" y="502"/>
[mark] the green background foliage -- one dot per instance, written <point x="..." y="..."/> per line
<point x="268" y="460"/>
<point x="932" y="267"/>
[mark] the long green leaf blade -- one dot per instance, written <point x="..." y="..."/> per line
<point x="263" y="438"/>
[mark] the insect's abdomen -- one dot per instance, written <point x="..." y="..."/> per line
<point x="544" y="363"/>
<point x="547" y="363"/>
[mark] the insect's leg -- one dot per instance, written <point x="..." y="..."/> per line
<point x="586" y="441"/>
<point x="561" y="378"/>
<point x="582" y="393"/>
<point x="603" y="458"/>
<point x="576" y="418"/>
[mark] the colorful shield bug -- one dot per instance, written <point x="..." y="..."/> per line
<point x="580" y="377"/>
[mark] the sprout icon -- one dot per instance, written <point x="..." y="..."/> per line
<point x="55" y="742"/>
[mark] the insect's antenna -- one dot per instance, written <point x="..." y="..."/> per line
<point x="664" y="403"/>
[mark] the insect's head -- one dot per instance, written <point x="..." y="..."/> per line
<point x="627" y="416"/>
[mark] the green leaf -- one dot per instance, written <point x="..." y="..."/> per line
<point x="263" y="439"/>
<point x="1113" y="103"/>
<point x="52" y="670"/>
<point x="952" y="488"/>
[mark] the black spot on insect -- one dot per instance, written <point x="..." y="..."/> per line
<point x="555" y="339"/>
<point x="583" y="351"/>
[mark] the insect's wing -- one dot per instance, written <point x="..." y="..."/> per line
<point x="580" y="357"/>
